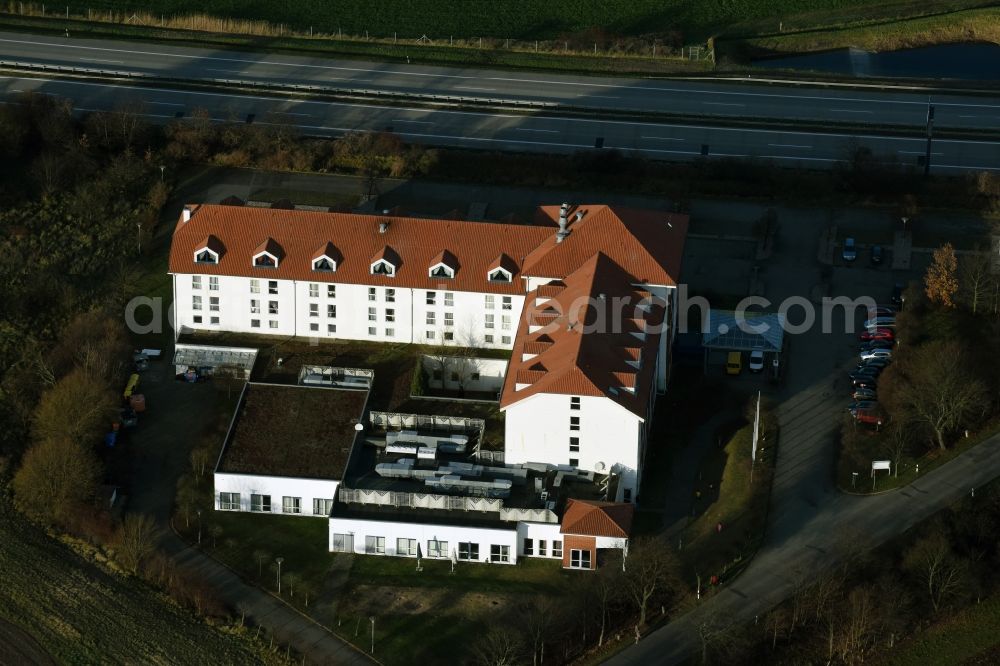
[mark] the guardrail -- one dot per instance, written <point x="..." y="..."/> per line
<point x="295" y="87"/>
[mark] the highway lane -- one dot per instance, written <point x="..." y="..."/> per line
<point x="691" y="98"/>
<point x="511" y="131"/>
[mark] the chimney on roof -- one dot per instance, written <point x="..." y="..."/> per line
<point x="578" y="216"/>
<point x="186" y="214"/>
<point x="563" y="231"/>
<point x="383" y="227"/>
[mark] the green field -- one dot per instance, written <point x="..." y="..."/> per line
<point x="80" y="613"/>
<point x="973" y="633"/>
<point x="541" y="19"/>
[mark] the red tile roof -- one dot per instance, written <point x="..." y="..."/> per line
<point x="582" y="352"/>
<point x="599" y="519"/>
<point x="637" y="240"/>
<point x="477" y="246"/>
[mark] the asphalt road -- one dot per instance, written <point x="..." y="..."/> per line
<point x="511" y="131"/>
<point x="690" y="98"/>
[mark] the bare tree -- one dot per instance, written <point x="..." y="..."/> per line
<point x="932" y="560"/>
<point x="261" y="556"/>
<point x="135" y="540"/>
<point x="650" y="567"/>
<point x="895" y="443"/>
<point x="499" y="647"/>
<point x="976" y="279"/>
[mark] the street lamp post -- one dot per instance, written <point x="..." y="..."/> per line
<point x="905" y="220"/>
<point x="138" y="238"/>
<point x="162" y="168"/>
<point x="199" y="526"/>
<point x="279" y="560"/>
<point x="372" y="619"/>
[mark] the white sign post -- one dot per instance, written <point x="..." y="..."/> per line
<point x="756" y="434"/>
<point x="880" y="464"/>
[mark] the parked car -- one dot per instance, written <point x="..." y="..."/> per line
<point x="881" y="322"/>
<point x="861" y="404"/>
<point x="850" y="250"/>
<point x="756" y="360"/>
<point x="880" y="363"/>
<point x="878" y="334"/>
<point x="882" y="311"/>
<point x="871" y="416"/>
<point x="863" y="375"/>
<point x="876" y="344"/>
<point x="897" y="296"/>
<point x="734" y="363"/>
<point x="864" y="394"/>
<point x="876" y="353"/>
<point x="877" y="255"/>
<point x="865" y="383"/>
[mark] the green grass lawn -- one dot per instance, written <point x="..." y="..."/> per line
<point x="82" y="613"/>
<point x="971" y="634"/>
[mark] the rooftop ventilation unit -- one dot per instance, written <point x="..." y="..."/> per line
<point x="563" y="231"/>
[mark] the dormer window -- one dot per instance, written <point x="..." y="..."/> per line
<point x="324" y="264"/>
<point x="383" y="267"/>
<point x="206" y="256"/>
<point x="267" y="255"/>
<point x="442" y="271"/>
<point x="265" y="261"/>
<point x="499" y="275"/>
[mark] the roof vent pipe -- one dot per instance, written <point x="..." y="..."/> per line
<point x="563" y="231"/>
<point x="186" y="214"/>
<point x="578" y="216"/>
<point x="383" y="227"/>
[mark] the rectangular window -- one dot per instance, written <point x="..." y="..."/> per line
<point x="374" y="545"/>
<point x="196" y="302"/>
<point x="574" y="423"/>
<point x="431" y="298"/>
<point x="488" y="339"/>
<point x="372" y="315"/>
<point x="574" y="402"/>
<point x="291" y="504"/>
<point x="272" y="286"/>
<point x="557" y="549"/>
<point x="390" y="315"/>
<point x="431" y="319"/>
<point x="448" y="335"/>
<point x="449" y="319"/>
<point x="260" y="503"/>
<point x="197" y="319"/>
<point x="213" y="303"/>
<point x="213" y="283"/>
<point x="390" y="295"/>
<point x="505" y="322"/>
<point x="499" y="553"/>
<point x="505" y="339"/>
<point x="490" y="301"/>
<point x="429" y="335"/>
<point x="343" y="543"/>
<point x="272" y="324"/>
<point x="489" y="321"/>
<point x="322" y="506"/>
<point x="468" y="551"/>
<point x="529" y="547"/>
<point x="254" y="306"/>
<point x="579" y="559"/>
<point x="574" y="444"/>
<point x="313" y="290"/>
<point x="314" y="327"/>
<point x="331" y="328"/>
<point x="196" y="282"/>
<point x="371" y="293"/>
<point x="449" y="299"/>
<point x="314" y="309"/>
<point x="390" y="332"/>
<point x="406" y="547"/>
<point x="574" y="462"/>
<point x="272" y="307"/>
<point x="255" y="323"/>
<point x="214" y="320"/>
<point x="437" y="548"/>
<point x="331" y="311"/>
<point x="506" y="303"/>
<point x="254" y="286"/>
<point x="542" y="547"/>
<point x="331" y="291"/>
<point x="372" y="330"/>
<point x="229" y="501"/>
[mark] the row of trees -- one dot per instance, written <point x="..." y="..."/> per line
<point x="873" y="601"/>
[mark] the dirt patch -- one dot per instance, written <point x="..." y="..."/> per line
<point x="388" y="600"/>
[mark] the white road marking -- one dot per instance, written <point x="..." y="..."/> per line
<point x="528" y="129"/>
<point x="916" y="152"/>
<point x="850" y="111"/>
<point x="292" y="113"/>
<point x="579" y="84"/>
<point x="604" y="96"/>
<point x="662" y="138"/>
<point x="416" y="122"/>
<point x="474" y="88"/>
<point x="786" y="145"/>
<point x="224" y="71"/>
<point x="114" y="62"/>
<point x="164" y="104"/>
<point x="721" y="104"/>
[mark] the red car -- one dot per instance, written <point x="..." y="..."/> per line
<point x="871" y="416"/>
<point x="878" y="334"/>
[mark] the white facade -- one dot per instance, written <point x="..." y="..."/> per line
<point x="595" y="434"/>
<point x="314" y="496"/>
<point x="479" y="374"/>
<point x="499" y="545"/>
<point x="346" y="311"/>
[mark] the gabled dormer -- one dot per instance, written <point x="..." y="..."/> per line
<point x="268" y="254"/>
<point x="443" y="266"/>
<point x="325" y="259"/>
<point x="385" y="262"/>
<point x="209" y="251"/>
<point x="501" y="270"/>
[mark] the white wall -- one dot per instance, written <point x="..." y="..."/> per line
<point x="549" y="532"/>
<point x="277" y="487"/>
<point x="391" y="531"/>
<point x="537" y="429"/>
<point x="491" y="372"/>
<point x="410" y="308"/>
